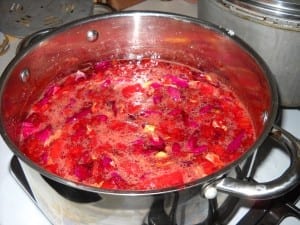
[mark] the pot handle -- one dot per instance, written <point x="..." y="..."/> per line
<point x="30" y="39"/>
<point x="272" y="189"/>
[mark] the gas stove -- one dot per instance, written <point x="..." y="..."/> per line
<point x="18" y="206"/>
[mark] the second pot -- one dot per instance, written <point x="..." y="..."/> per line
<point x="272" y="29"/>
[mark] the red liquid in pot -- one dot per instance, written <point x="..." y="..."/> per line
<point x="136" y="125"/>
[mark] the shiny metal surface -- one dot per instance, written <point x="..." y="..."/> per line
<point x="65" y="207"/>
<point x="283" y="9"/>
<point x="92" y="35"/>
<point x="272" y="13"/>
<point x="132" y="35"/>
<point x="275" y="39"/>
<point x="275" y="188"/>
<point x="185" y="208"/>
<point x="126" y="35"/>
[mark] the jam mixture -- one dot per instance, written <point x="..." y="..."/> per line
<point x="136" y="125"/>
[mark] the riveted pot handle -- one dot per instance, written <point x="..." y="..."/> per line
<point x="30" y="39"/>
<point x="272" y="189"/>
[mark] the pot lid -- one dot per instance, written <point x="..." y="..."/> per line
<point x="278" y="13"/>
<point x="23" y="17"/>
<point x="289" y="9"/>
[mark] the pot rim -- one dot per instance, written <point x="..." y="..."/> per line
<point x="269" y="119"/>
<point x="277" y="14"/>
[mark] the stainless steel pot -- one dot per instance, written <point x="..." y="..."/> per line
<point x="272" y="29"/>
<point x="136" y="35"/>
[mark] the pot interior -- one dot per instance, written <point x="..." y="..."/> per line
<point x="136" y="35"/>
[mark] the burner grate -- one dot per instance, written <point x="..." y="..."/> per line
<point x="273" y="212"/>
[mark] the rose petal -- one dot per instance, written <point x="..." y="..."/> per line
<point x="193" y="139"/>
<point x="79" y="115"/>
<point x="106" y="161"/>
<point x="157" y="99"/>
<point x="175" y="112"/>
<point x="174" y="93"/>
<point x="179" y="82"/>
<point x="102" y="118"/>
<point x="205" y="109"/>
<point x="82" y="172"/>
<point x="199" y="149"/>
<point x="236" y="143"/>
<point x="176" y="148"/>
<point x="28" y="129"/>
<point x="156" y="85"/>
<point x="44" y="134"/>
<point x="157" y="144"/>
<point x="102" y="66"/>
<point x="79" y="75"/>
<point x="106" y="83"/>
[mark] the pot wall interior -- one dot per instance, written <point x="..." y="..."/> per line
<point x="134" y="36"/>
